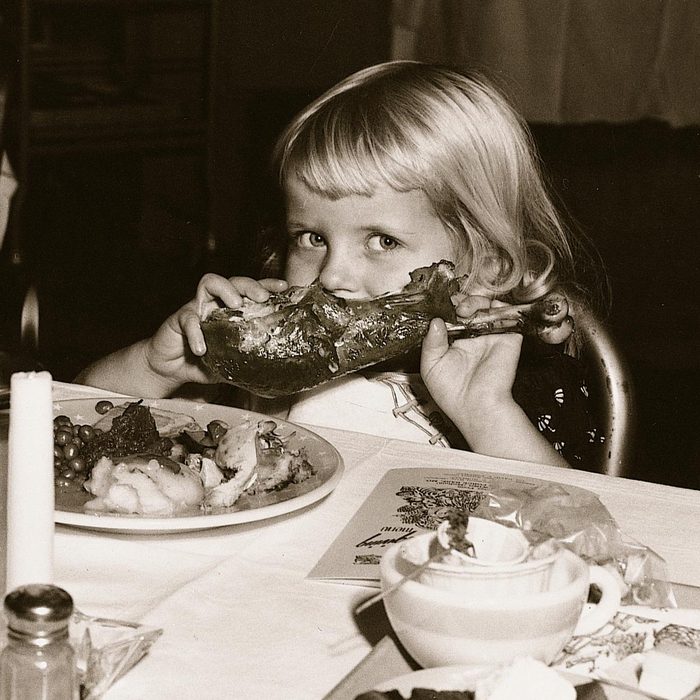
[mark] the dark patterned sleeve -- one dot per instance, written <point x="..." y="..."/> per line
<point x="552" y="388"/>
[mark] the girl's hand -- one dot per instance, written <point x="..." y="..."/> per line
<point x="470" y="373"/>
<point x="174" y="351"/>
<point x="472" y="382"/>
<point x="471" y="377"/>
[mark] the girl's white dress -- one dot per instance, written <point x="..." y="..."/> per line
<point x="388" y="404"/>
<point x="550" y="386"/>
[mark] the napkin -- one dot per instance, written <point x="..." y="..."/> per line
<point x="30" y="481"/>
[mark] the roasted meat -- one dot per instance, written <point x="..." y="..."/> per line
<point x="305" y="336"/>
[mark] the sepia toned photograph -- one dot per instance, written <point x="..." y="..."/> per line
<point x="349" y="350"/>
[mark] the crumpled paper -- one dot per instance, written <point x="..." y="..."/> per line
<point x="579" y="521"/>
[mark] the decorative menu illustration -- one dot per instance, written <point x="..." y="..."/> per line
<point x="654" y="650"/>
<point x="405" y="503"/>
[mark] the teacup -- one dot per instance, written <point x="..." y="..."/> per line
<point x="440" y="627"/>
<point x="500" y="569"/>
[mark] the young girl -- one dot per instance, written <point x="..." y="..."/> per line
<point x="398" y="166"/>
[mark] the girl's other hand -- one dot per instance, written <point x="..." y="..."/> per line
<point x="471" y="378"/>
<point x="214" y="291"/>
<point x="175" y="348"/>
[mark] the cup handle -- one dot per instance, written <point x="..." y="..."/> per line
<point x="594" y="616"/>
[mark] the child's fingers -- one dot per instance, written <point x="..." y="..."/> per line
<point x="435" y="343"/>
<point x="257" y="290"/>
<point x="472" y="303"/>
<point x="212" y="287"/>
<point x="214" y="290"/>
<point x="272" y="284"/>
<point x="189" y="324"/>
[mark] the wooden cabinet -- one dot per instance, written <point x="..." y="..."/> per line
<point x="105" y="76"/>
<point x="114" y="73"/>
<point x="106" y="127"/>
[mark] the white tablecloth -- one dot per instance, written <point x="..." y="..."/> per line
<point x="241" y="620"/>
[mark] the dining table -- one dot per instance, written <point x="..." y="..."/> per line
<point x="240" y="617"/>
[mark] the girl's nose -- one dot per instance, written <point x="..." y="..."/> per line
<point x="338" y="275"/>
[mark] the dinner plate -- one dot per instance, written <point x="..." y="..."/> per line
<point x="320" y="453"/>
<point x="439" y="678"/>
<point x="461" y="678"/>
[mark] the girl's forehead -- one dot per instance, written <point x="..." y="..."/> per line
<point x="381" y="203"/>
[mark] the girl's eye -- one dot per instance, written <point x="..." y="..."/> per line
<point x="308" y="239"/>
<point x="383" y="242"/>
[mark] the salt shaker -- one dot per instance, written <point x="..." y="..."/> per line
<point x="38" y="662"/>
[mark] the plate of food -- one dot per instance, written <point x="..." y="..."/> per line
<point x="462" y="679"/>
<point x="169" y="465"/>
<point x="525" y="678"/>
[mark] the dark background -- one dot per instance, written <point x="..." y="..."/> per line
<point x="162" y="176"/>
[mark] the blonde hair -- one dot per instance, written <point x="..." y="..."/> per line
<point x="412" y="126"/>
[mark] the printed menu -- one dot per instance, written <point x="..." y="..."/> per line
<point x="407" y="502"/>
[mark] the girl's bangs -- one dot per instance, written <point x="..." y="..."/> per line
<point x="352" y="162"/>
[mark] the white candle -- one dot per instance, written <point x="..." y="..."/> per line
<point x="30" y="481"/>
<point x="4" y="428"/>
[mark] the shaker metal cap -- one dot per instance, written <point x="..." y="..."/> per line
<point x="39" y="609"/>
